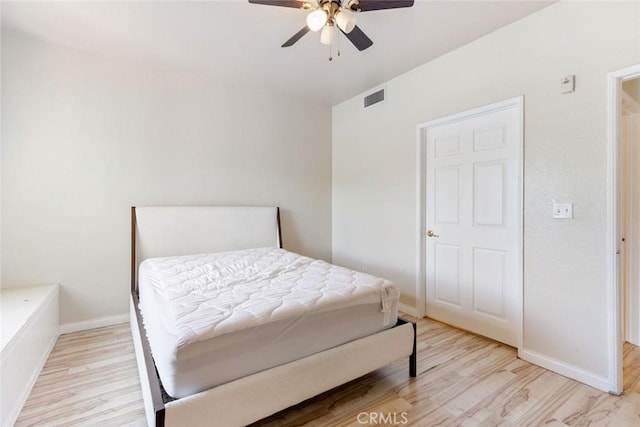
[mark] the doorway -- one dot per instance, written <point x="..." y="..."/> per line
<point x="630" y="209"/>
<point x="623" y="218"/>
<point x="470" y="245"/>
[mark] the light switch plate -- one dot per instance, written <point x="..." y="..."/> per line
<point x="563" y="210"/>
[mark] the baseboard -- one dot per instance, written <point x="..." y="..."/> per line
<point x="565" y="369"/>
<point x="411" y="311"/>
<point x="99" y="322"/>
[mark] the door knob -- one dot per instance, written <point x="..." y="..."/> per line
<point x="430" y="233"/>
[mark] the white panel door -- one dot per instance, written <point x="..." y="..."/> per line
<point x="473" y="220"/>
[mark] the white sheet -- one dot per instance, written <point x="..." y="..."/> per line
<point x="188" y="362"/>
<point x="208" y="295"/>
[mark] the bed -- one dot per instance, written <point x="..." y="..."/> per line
<point x="275" y="349"/>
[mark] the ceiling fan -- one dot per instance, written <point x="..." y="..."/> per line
<point x="325" y="15"/>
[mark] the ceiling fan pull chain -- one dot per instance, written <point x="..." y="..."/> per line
<point x="338" y="41"/>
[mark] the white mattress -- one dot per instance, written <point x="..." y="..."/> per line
<point x="214" y="318"/>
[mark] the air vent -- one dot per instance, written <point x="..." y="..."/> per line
<point x="374" y="98"/>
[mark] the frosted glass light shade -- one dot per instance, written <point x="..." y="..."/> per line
<point x="316" y="19"/>
<point x="346" y="21"/>
<point x="327" y="34"/>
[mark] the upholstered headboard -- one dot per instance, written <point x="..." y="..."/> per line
<point x="186" y="230"/>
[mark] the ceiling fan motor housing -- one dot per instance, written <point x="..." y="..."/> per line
<point x="333" y="6"/>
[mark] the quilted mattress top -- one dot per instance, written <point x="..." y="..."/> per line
<point x="206" y="295"/>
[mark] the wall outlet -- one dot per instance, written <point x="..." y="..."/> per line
<point x="563" y="210"/>
<point x="365" y="265"/>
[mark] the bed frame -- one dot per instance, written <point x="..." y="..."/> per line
<point x="168" y="231"/>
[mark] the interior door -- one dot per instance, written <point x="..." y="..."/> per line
<point x="473" y="220"/>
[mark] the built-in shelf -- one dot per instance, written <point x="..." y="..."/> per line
<point x="29" y="330"/>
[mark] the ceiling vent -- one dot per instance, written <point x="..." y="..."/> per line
<point x="374" y="98"/>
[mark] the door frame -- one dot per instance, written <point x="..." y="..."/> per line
<point x="614" y="286"/>
<point x="421" y="133"/>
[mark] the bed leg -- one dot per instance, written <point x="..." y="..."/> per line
<point x="413" y="362"/>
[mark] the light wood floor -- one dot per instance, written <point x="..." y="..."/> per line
<point x="463" y="380"/>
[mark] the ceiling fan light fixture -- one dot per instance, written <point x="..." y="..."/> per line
<point x="316" y="19"/>
<point x="346" y="21"/>
<point x="327" y="35"/>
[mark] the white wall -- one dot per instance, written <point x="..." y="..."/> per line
<point x="374" y="165"/>
<point x="632" y="87"/>
<point x="86" y="137"/>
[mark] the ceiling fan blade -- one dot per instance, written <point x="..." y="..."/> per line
<point x="284" y="3"/>
<point x="358" y="38"/>
<point x="297" y="36"/>
<point x="369" y="5"/>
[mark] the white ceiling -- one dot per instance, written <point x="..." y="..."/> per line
<point x="239" y="43"/>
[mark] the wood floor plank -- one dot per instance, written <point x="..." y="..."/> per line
<point x="91" y="378"/>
